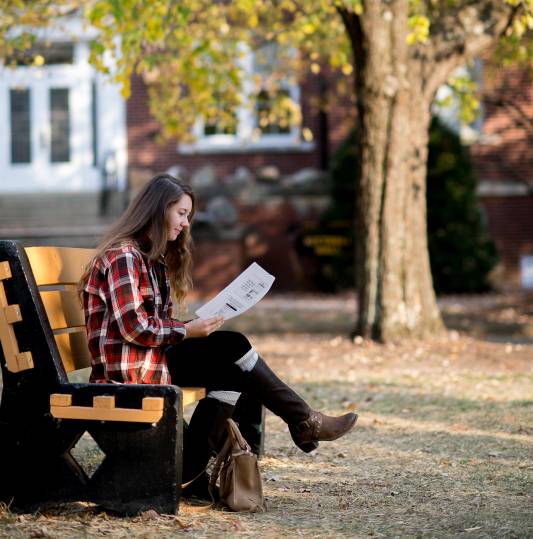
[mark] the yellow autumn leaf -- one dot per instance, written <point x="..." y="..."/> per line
<point x="347" y="69"/>
<point x="411" y="38"/>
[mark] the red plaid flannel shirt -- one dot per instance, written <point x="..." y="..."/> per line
<point x="128" y="313"/>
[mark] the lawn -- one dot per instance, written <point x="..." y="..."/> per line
<point x="443" y="445"/>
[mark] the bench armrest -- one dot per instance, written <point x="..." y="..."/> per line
<point x="115" y="402"/>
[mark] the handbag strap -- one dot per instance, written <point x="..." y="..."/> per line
<point x="183" y="485"/>
<point x="233" y="431"/>
<point x="235" y="438"/>
<point x="224" y="452"/>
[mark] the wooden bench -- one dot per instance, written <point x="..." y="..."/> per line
<point x="43" y="414"/>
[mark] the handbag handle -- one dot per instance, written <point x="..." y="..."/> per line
<point x="234" y="438"/>
<point x="235" y="433"/>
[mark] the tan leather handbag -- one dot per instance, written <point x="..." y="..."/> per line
<point x="241" y="488"/>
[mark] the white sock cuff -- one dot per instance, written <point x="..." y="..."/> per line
<point x="248" y="361"/>
<point x="228" y="397"/>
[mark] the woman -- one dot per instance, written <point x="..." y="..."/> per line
<point x="133" y="337"/>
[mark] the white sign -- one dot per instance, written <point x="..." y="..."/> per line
<point x="526" y="271"/>
<point x="241" y="294"/>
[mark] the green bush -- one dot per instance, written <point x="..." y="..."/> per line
<point x="461" y="252"/>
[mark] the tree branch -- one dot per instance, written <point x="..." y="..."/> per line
<point x="461" y="35"/>
<point x="352" y="23"/>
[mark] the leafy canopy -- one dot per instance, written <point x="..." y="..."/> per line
<point x="192" y="52"/>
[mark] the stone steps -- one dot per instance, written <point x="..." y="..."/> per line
<point x="56" y="218"/>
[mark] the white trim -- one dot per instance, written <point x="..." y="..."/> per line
<point x="526" y="271"/>
<point x="63" y="29"/>
<point x="241" y="146"/>
<point x="503" y="188"/>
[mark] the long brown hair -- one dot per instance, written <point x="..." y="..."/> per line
<point x="146" y="217"/>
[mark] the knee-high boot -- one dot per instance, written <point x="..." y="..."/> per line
<point x="249" y="414"/>
<point x="203" y="438"/>
<point x="307" y="427"/>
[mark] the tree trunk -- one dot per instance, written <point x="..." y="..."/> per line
<point x="396" y="296"/>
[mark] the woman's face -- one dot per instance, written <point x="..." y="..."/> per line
<point x="178" y="216"/>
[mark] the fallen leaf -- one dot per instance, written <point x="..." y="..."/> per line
<point x="37" y="533"/>
<point x="149" y="515"/>
<point x="350" y="406"/>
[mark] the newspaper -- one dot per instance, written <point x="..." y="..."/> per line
<point x="241" y="294"/>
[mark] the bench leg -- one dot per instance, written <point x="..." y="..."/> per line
<point x="141" y="470"/>
<point x="142" y="467"/>
<point x="37" y="466"/>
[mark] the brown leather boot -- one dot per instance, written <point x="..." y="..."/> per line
<point x="306" y="426"/>
<point x="318" y="426"/>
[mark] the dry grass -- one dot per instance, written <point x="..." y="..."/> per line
<point x="443" y="448"/>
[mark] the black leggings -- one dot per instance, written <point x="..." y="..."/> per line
<point x="209" y="361"/>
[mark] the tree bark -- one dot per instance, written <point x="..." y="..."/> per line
<point x="395" y="288"/>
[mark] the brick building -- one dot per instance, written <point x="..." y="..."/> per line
<point x="502" y="154"/>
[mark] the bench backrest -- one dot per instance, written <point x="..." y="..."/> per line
<point x="57" y="271"/>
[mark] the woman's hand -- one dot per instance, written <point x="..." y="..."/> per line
<point x="202" y="328"/>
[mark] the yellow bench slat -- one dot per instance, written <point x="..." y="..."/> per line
<point x="88" y="413"/>
<point x="74" y="350"/>
<point x="58" y="265"/>
<point x="103" y="408"/>
<point x="192" y="394"/>
<point x="16" y="361"/>
<point x="63" y="308"/>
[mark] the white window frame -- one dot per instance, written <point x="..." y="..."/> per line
<point x="79" y="173"/>
<point x="248" y="137"/>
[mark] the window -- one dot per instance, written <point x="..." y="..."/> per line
<point x="213" y="126"/>
<point x="270" y="124"/>
<point x="223" y="122"/>
<point x="268" y="120"/>
<point x="59" y="125"/>
<point x="20" y="126"/>
<point x="44" y="53"/>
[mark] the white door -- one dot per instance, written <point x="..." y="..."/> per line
<point x="48" y="140"/>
